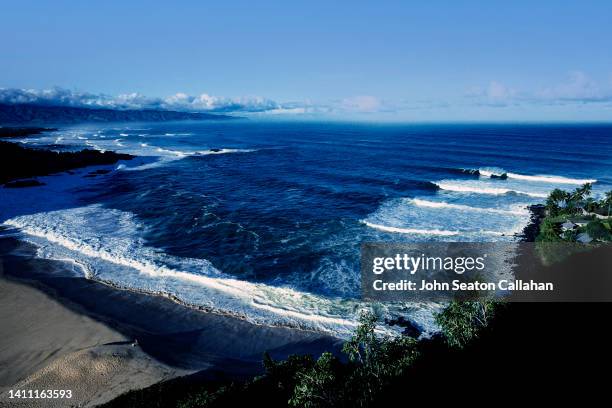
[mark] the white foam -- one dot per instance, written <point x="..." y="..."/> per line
<point x="150" y="165"/>
<point x="95" y="146"/>
<point x="550" y="179"/>
<point x="410" y="230"/>
<point x="491" y="171"/>
<point x="542" y="178"/>
<point x="108" y="244"/>
<point x="222" y="151"/>
<point x="467" y="188"/>
<point x="183" y="153"/>
<point x="516" y="210"/>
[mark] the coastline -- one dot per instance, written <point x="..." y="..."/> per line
<point x="532" y="229"/>
<point x="47" y="345"/>
<point x="68" y="332"/>
<point x="175" y="339"/>
<point x="18" y="163"/>
<point x="172" y="339"/>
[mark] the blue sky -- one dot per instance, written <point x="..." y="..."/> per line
<point x="387" y="60"/>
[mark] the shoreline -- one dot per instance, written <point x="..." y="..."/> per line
<point x="102" y="341"/>
<point x="532" y="229"/>
<point x="172" y="335"/>
<point x="22" y="164"/>
<point x="48" y="345"/>
<point x="210" y="346"/>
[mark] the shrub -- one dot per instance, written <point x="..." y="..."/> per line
<point x="461" y="322"/>
<point x="319" y="386"/>
<point x="597" y="230"/>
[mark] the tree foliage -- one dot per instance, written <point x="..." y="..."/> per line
<point x="461" y="322"/>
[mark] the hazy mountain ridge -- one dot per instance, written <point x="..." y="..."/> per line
<point x="26" y="113"/>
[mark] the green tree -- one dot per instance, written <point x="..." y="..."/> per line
<point x="554" y="201"/>
<point x="461" y="322"/>
<point x="577" y="199"/>
<point x="549" y="231"/>
<point x="607" y="201"/>
<point x="376" y="360"/>
<point x="597" y="230"/>
<point x="591" y="205"/>
<point x="319" y="386"/>
<point x="285" y="374"/>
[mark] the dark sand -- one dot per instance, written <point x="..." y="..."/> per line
<point x="45" y="345"/>
<point x="54" y="323"/>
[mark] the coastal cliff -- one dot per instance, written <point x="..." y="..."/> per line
<point x="32" y="114"/>
<point x="18" y="162"/>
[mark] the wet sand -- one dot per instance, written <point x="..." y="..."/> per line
<point x="45" y="345"/>
<point x="60" y="331"/>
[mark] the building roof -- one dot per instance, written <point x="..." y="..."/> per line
<point x="568" y="225"/>
<point x="584" y="238"/>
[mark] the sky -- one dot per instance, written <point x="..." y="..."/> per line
<point x="383" y="60"/>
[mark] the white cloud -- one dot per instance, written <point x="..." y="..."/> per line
<point x="579" y="88"/>
<point x="361" y="103"/>
<point x="178" y="101"/>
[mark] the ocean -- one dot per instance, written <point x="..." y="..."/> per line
<point x="264" y="219"/>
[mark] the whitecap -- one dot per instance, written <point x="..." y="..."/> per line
<point x="483" y="189"/>
<point x="514" y="210"/>
<point x="108" y="244"/>
<point x="550" y="179"/>
<point x="410" y="230"/>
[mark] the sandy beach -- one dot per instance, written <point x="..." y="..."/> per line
<point x="45" y="345"/>
<point x="63" y="332"/>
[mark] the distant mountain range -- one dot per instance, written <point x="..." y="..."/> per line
<point x="24" y="113"/>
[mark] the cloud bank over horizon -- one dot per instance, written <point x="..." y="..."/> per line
<point x="179" y="101"/>
<point x="578" y="88"/>
<point x="587" y="97"/>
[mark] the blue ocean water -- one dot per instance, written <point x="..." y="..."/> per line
<point x="264" y="219"/>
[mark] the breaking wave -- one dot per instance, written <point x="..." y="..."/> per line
<point x="410" y="230"/>
<point x="516" y="210"/>
<point x="109" y="247"/>
<point x="466" y="188"/>
<point x="550" y="179"/>
<point x="493" y="172"/>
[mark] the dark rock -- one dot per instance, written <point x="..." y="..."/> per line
<point x="23" y="183"/>
<point x="531" y="231"/>
<point x="14" y="132"/>
<point x="410" y="329"/>
<point x="17" y="162"/>
<point x="215" y="150"/>
<point x="98" y="172"/>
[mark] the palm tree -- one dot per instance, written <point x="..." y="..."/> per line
<point x="581" y="192"/>
<point x="586" y="189"/>
<point x="590" y="204"/>
<point x="554" y="200"/>
<point x="577" y="198"/>
<point x="608" y="201"/>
